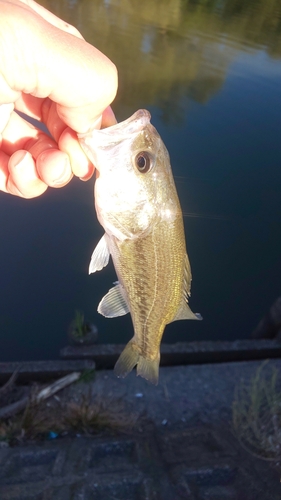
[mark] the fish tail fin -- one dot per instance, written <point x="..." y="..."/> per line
<point x="148" y="369"/>
<point x="127" y="360"/>
<point x="130" y="357"/>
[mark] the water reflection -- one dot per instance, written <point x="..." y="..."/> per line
<point x="210" y="73"/>
<point x="168" y="50"/>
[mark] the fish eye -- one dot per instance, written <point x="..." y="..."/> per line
<point x="143" y="162"/>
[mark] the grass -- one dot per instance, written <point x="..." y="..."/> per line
<point x="87" y="375"/>
<point x="79" y="327"/>
<point x="257" y="414"/>
<point x="86" y="414"/>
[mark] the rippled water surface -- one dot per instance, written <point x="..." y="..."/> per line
<point x="210" y="74"/>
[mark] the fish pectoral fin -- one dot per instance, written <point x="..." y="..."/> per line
<point x="184" y="312"/>
<point x="100" y="256"/>
<point x="113" y="304"/>
<point x="130" y="357"/>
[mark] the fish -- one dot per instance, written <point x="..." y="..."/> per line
<point x="137" y="204"/>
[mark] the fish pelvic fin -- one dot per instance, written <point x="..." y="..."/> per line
<point x="113" y="304"/>
<point x="130" y="357"/>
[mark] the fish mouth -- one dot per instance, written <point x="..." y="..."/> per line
<point x="95" y="142"/>
<point x="117" y="133"/>
<point x="134" y="124"/>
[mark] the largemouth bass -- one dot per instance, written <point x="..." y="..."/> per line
<point x="137" y="205"/>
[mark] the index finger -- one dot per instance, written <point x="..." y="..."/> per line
<point x="56" y="64"/>
<point x="48" y="16"/>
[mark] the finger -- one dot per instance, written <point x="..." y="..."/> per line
<point x="4" y="171"/>
<point x="43" y="60"/>
<point x="5" y="112"/>
<point x="54" y="168"/>
<point x="108" y="118"/>
<point x="80" y="164"/>
<point x="51" y="18"/>
<point x="33" y="106"/>
<point x="43" y="110"/>
<point x="23" y="179"/>
<point x="19" y="134"/>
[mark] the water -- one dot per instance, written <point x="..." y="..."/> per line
<point x="210" y="74"/>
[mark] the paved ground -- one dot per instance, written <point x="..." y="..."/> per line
<point x="181" y="446"/>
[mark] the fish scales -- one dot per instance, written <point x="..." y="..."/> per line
<point x="137" y="204"/>
<point x="151" y="269"/>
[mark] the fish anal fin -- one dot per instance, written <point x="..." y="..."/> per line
<point x="127" y="360"/>
<point x="113" y="304"/>
<point x="184" y="312"/>
<point x="100" y="256"/>
<point x="187" y="276"/>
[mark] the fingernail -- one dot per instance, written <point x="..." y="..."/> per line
<point x="64" y="175"/>
<point x="97" y="123"/>
<point x="22" y="158"/>
<point x="5" y="114"/>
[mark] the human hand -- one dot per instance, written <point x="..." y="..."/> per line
<point x="50" y="73"/>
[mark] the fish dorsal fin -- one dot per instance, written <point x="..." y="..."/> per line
<point x="113" y="304"/>
<point x="100" y="256"/>
<point x="184" y="311"/>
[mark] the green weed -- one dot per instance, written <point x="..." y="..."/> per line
<point x="257" y="414"/>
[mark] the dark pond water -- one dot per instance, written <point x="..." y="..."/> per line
<point x="210" y="73"/>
